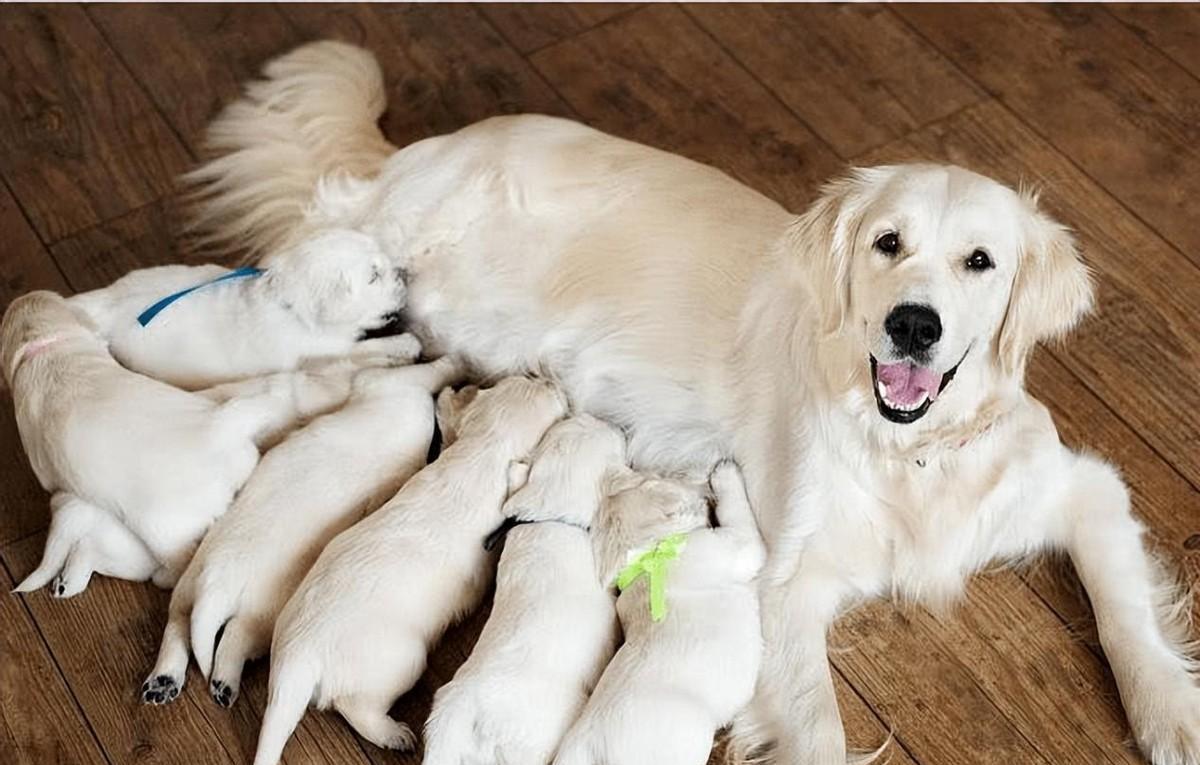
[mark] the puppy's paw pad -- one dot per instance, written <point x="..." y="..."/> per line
<point x="62" y="589"/>
<point x="160" y="689"/>
<point x="223" y="693"/>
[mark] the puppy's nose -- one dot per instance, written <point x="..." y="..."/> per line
<point x="913" y="328"/>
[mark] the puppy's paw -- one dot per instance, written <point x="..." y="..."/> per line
<point x="1168" y="731"/>
<point x="64" y="586"/>
<point x="161" y="689"/>
<point x="402" y="349"/>
<point x="726" y="478"/>
<point x="401" y="738"/>
<point x="223" y="693"/>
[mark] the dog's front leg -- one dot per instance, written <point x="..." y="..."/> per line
<point x="794" y="717"/>
<point x="1132" y="604"/>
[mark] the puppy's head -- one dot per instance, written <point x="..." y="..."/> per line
<point x="339" y="279"/>
<point x="569" y="468"/>
<point x="640" y="509"/>
<point x="32" y="322"/>
<point x="514" y="414"/>
<point x="927" y="275"/>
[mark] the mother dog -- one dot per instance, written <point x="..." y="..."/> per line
<point x="864" y="361"/>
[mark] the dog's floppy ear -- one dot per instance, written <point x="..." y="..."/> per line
<point x="822" y="239"/>
<point x="1051" y="292"/>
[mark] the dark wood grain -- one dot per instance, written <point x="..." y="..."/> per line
<point x="1173" y="28"/>
<point x="79" y="141"/>
<point x="656" y="77"/>
<point x="529" y="26"/>
<point x="1122" y="111"/>
<point x="855" y="74"/>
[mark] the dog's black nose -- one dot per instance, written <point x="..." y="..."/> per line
<point x="913" y="328"/>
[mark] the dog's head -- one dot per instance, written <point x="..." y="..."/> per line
<point x="638" y="510"/>
<point x="339" y="279"/>
<point x="34" y="321"/>
<point x="935" y="283"/>
<point x="568" y="472"/>
<point x="515" y="413"/>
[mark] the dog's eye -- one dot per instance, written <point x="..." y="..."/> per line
<point x="889" y="243"/>
<point x="979" y="261"/>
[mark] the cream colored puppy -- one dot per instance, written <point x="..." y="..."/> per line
<point x="138" y="469"/>
<point x="319" y="481"/>
<point x="553" y="625"/>
<point x="197" y="326"/>
<point x="356" y="633"/>
<point x="678" y="679"/>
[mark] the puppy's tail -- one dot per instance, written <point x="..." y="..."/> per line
<point x="312" y="115"/>
<point x="292" y="685"/>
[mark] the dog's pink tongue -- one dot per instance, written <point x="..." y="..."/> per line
<point x="907" y="384"/>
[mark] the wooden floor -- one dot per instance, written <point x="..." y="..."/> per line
<point x="102" y="106"/>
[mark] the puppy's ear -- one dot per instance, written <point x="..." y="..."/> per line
<point x="1051" y="292"/>
<point x="822" y="240"/>
<point x="450" y="407"/>
<point x="518" y="474"/>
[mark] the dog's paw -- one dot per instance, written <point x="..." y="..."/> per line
<point x="1168" y="732"/>
<point x="160" y="689"/>
<point x="223" y="693"/>
<point x="401" y="739"/>
<point x="63" y="587"/>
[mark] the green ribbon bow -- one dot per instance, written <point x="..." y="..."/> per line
<point x="653" y="565"/>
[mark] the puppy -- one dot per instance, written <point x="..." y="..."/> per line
<point x="318" y="482"/>
<point x="553" y="624"/>
<point x="356" y="633"/>
<point x="197" y="326"/>
<point x="138" y="469"/>
<point x="690" y="660"/>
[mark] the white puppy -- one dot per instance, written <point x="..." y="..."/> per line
<point x="553" y="625"/>
<point x="138" y="469"/>
<point x="308" y="489"/>
<point x="356" y="633"/>
<point x="685" y="671"/>
<point x="197" y="326"/>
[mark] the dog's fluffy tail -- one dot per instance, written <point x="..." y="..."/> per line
<point x="312" y="115"/>
<point x="292" y="685"/>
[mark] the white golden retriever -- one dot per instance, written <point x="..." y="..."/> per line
<point x="356" y="633"/>
<point x="198" y="326"/>
<point x="553" y="624"/>
<point x="863" y="361"/>
<point x="685" y="671"/>
<point x="138" y="469"/>
<point x="305" y="491"/>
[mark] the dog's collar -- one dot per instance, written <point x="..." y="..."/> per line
<point x="508" y="524"/>
<point x="33" y="348"/>
<point x="652" y="564"/>
<point x="146" y="316"/>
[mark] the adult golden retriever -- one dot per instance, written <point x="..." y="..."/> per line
<point x="863" y="361"/>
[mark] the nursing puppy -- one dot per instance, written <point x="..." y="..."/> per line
<point x="138" y="469"/>
<point x="316" y="300"/>
<point x="553" y="625"/>
<point x="356" y="633"/>
<point x="676" y="681"/>
<point x="304" y="492"/>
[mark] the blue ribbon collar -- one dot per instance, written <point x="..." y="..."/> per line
<point x="146" y="316"/>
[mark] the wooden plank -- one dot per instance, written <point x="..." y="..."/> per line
<point x="639" y="76"/>
<point x="1122" y="111"/>
<point x="444" y="66"/>
<point x="39" y="722"/>
<point x="25" y="265"/>
<point x="933" y="703"/>
<point x="855" y="74"/>
<point x="193" y="59"/>
<point x="1172" y="28"/>
<point x="122" y="622"/>
<point x="1140" y="353"/>
<point x="80" y="142"/>
<point x="530" y="26"/>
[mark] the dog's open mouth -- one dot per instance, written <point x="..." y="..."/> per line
<point x="904" y="391"/>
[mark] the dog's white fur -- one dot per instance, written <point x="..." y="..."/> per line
<point x="675" y="682"/>
<point x="553" y="625"/>
<point x="314" y="302"/>
<point x="706" y="320"/>
<point x="356" y="633"/>
<point x="138" y="469"/>
<point x="305" y="491"/>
